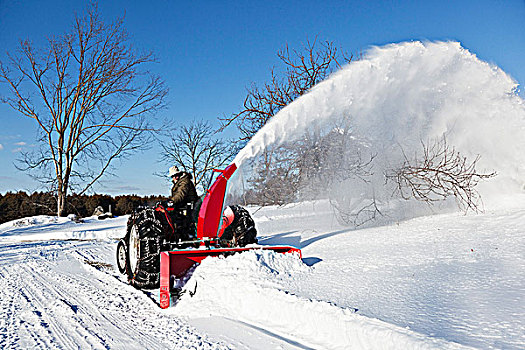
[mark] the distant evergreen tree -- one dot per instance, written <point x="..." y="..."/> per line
<point x="19" y="205"/>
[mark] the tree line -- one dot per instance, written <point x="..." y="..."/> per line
<point x="16" y="205"/>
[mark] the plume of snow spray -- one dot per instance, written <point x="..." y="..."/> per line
<point x="401" y="95"/>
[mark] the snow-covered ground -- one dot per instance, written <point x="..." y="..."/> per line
<point x="444" y="281"/>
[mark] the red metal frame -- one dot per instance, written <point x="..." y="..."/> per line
<point x="176" y="263"/>
<point x="211" y="210"/>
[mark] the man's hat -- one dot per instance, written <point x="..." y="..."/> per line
<point x="174" y="171"/>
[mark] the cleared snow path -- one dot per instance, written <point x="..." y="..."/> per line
<point x="61" y="294"/>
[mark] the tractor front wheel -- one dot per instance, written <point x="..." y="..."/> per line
<point x="122" y="256"/>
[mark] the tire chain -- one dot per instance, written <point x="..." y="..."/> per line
<point x="150" y="231"/>
<point x="242" y="230"/>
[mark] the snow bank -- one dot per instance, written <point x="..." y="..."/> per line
<point x="32" y="221"/>
<point x="249" y="288"/>
<point x="44" y="227"/>
<point x="403" y="94"/>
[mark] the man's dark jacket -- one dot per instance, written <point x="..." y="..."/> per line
<point x="183" y="191"/>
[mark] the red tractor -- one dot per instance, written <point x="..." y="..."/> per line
<point x="163" y="243"/>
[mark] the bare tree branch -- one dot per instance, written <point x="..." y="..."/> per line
<point x="195" y="148"/>
<point x="302" y="70"/>
<point x="441" y="172"/>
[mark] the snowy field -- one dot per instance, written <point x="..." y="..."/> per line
<point x="445" y="282"/>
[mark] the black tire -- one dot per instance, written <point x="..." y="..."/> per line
<point x="144" y="243"/>
<point x="241" y="231"/>
<point x="122" y="256"/>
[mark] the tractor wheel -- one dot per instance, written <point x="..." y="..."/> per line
<point x="122" y="256"/>
<point x="242" y="230"/>
<point x="144" y="243"/>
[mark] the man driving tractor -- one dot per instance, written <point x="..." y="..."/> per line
<point x="172" y="227"/>
<point x="183" y="190"/>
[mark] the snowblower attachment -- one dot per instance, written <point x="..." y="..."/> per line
<point x="209" y="231"/>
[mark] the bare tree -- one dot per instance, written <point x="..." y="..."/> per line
<point x="196" y="149"/>
<point x="440" y="173"/>
<point x="280" y="172"/>
<point x="90" y="97"/>
<point x="276" y="179"/>
<point x="308" y="168"/>
<point x="302" y="70"/>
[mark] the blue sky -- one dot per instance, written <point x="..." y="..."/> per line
<point x="210" y="51"/>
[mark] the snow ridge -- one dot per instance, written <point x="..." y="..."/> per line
<point x="242" y="287"/>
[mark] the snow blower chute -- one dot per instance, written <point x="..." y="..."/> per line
<point x="161" y="244"/>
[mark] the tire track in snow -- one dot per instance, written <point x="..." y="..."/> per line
<point x="91" y="302"/>
<point x="8" y="326"/>
<point x="44" y="319"/>
<point x="61" y="316"/>
<point x="67" y="328"/>
<point x="26" y="319"/>
<point x="57" y="301"/>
